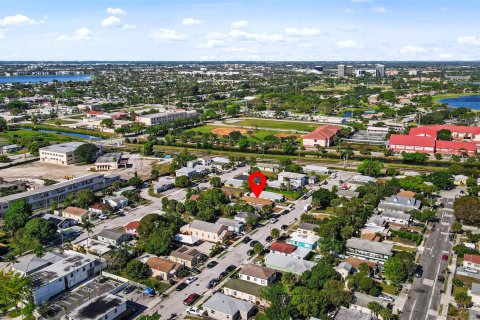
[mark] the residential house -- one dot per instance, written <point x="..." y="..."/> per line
<point x="113" y="237"/>
<point x="272" y="196"/>
<point x="188" y="257"/>
<point x="206" y="231"/>
<point x="376" y="224"/>
<point x="60" y="222"/>
<point x="297" y="180"/>
<point x="163" y="268"/>
<point x="345" y="269"/>
<point x="116" y="202"/>
<point x="368" y="250"/>
<point x="396" y="217"/>
<point x="77" y="214"/>
<point x="231" y="224"/>
<point x="460" y="180"/>
<point x="361" y="179"/>
<point x="11" y="148"/>
<point x="471" y="261"/>
<point x="103" y="307"/>
<point x="268" y="167"/>
<point x="289" y="250"/>
<point x="361" y="301"/>
<point x="257" y="274"/>
<point x="310" y="168"/>
<point x="221" y="160"/>
<point x="243" y="216"/>
<point x="349" y="314"/>
<point x="474" y="292"/>
<point x="399" y="204"/>
<point x="245" y="290"/>
<point x="307" y="229"/>
<point x="223" y="307"/>
<point x="258" y="203"/>
<point x="98" y="209"/>
<point x="131" y="228"/>
<point x="349" y="194"/>
<point x="303" y="240"/>
<point x="287" y="263"/>
<point x="164" y="184"/>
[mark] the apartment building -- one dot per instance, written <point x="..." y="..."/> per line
<point x="368" y="250"/>
<point x="61" y="154"/>
<point x="165" y="117"/>
<point x="43" y="197"/>
<point x="106" y="306"/>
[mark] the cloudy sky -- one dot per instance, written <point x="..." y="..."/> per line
<point x="239" y="30"/>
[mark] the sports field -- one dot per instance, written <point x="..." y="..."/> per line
<point x="275" y="124"/>
<point x="252" y="134"/>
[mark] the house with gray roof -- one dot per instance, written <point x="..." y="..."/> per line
<point x="369" y="250"/>
<point x="352" y="314"/>
<point x="223" y="307"/>
<point x="287" y="263"/>
<point x="105" y="306"/>
<point x="399" y="204"/>
<point x="231" y="224"/>
<point x="243" y="216"/>
<point x="349" y="194"/>
<point x="113" y="237"/>
<point x="396" y="217"/>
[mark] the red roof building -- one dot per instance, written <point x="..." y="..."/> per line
<point x="280" y="247"/>
<point x="472" y="258"/>
<point x="401" y="142"/>
<point x="321" y="136"/>
<point x="131" y="228"/>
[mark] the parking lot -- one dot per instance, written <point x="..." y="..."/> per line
<point x="70" y="300"/>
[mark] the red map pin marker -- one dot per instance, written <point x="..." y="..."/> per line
<point x="252" y="181"/>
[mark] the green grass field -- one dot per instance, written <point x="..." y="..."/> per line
<point x="55" y="121"/>
<point x="256" y="135"/>
<point x="275" y="124"/>
<point x="29" y="134"/>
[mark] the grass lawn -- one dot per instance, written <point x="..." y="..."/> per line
<point x="402" y="248"/>
<point x="275" y="124"/>
<point x="289" y="194"/>
<point x="389" y="289"/>
<point x="60" y="121"/>
<point x="163" y="168"/>
<point x="30" y="134"/>
<point x="255" y="135"/>
<point x="455" y="313"/>
<point x="325" y="87"/>
<point x="467" y="281"/>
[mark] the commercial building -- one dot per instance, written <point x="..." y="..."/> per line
<point x="110" y="161"/>
<point x="45" y="196"/>
<point x="368" y="250"/>
<point x="379" y="70"/>
<point x="104" y="307"/>
<point x="322" y="136"/>
<point x="61" y="154"/>
<point x="165" y="117"/>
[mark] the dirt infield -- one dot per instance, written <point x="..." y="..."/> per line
<point x="286" y="135"/>
<point x="227" y="131"/>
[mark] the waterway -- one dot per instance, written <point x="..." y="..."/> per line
<point x="70" y="134"/>
<point x="472" y="102"/>
<point x="46" y="79"/>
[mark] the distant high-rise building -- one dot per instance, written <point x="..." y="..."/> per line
<point x="380" y="70"/>
<point x="318" y="68"/>
<point x="342" y="70"/>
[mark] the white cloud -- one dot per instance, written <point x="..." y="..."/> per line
<point x="208" y="57"/>
<point x="18" y="20"/>
<point x="239" y="50"/>
<point x="348" y="10"/>
<point x="347" y="44"/>
<point x="191" y="22"/>
<point x="380" y="10"/>
<point x="81" y="34"/>
<point x="115" y="11"/>
<point x="129" y="26"/>
<point x="216" y="35"/>
<point x="258" y="37"/>
<point x="166" y="35"/>
<point x="445" y="56"/>
<point x="443" y="9"/>
<point x="2" y="33"/>
<point x="411" y="50"/>
<point x="111" y="21"/>
<point x="305" y="32"/>
<point x="210" y="44"/>
<point x="239" y="24"/>
<point x="473" y="40"/>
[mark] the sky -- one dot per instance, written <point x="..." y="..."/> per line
<point x="226" y="30"/>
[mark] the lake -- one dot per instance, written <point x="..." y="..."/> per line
<point x="51" y="78"/>
<point x="472" y="102"/>
<point x="70" y="134"/>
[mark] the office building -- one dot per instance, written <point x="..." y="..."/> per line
<point x="62" y="154"/>
<point x="379" y="70"/>
<point x="165" y="117"/>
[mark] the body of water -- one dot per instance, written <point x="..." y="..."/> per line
<point x="51" y="78"/>
<point x="472" y="102"/>
<point x="70" y="134"/>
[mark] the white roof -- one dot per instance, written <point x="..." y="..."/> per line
<point x="300" y="237"/>
<point x="292" y="175"/>
<point x="282" y="263"/>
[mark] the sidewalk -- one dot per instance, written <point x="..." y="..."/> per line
<point x="447" y="295"/>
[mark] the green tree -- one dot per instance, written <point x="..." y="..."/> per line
<point x="442" y="179"/>
<point x="462" y="298"/>
<point x="467" y="208"/>
<point x="117" y="259"/>
<point x="107" y="123"/>
<point x="275" y="233"/>
<point x="182" y="182"/>
<point x="14" y="289"/>
<point x="456" y="226"/>
<point x="16" y="216"/>
<point x="395" y="270"/>
<point x="87" y="153"/>
<point x="3" y="125"/>
<point x="216" y="182"/>
<point x="370" y="168"/>
<point x="135" y="182"/>
<point x="322" y="198"/>
<point x="148" y="148"/>
<point x="87" y="226"/>
<point x="85" y="197"/>
<point x="280" y="302"/>
<point x="289" y="280"/>
<point x="444" y="134"/>
<point x="40" y="229"/>
<point x="258" y="248"/>
<point x="137" y="270"/>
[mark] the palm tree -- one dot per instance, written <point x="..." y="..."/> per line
<point x="87" y="226"/>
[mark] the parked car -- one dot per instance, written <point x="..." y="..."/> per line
<point x="471" y="270"/>
<point x="230" y="268"/>
<point x="376" y="276"/>
<point x="191" y="299"/>
<point x="286" y="211"/>
<point x="253" y="243"/>
<point x="195" y="270"/>
<point x="191" y="279"/>
<point x="387" y="298"/>
<point x="128" y="289"/>
<point x="268" y="239"/>
<point x="246" y="240"/>
<point x="195" y="311"/>
<point x="103" y="217"/>
<point x="212" y="264"/>
<point x="212" y="283"/>
<point x="445" y="257"/>
<point x="284" y="227"/>
<point x="181" y="286"/>
<point x="273" y="220"/>
<point x="250" y="252"/>
<point x="223" y="274"/>
<point x="441" y="278"/>
<point x="418" y="272"/>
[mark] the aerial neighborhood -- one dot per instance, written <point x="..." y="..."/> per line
<point x="138" y="204"/>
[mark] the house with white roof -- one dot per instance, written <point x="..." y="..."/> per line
<point x="296" y="179"/>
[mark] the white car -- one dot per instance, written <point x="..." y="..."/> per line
<point x="471" y="270"/>
<point x="195" y="311"/>
<point x="103" y="217"/>
<point x="273" y="220"/>
<point x="191" y="279"/>
<point x="387" y="298"/>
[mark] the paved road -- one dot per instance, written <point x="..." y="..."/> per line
<point x="235" y="255"/>
<point x="424" y="296"/>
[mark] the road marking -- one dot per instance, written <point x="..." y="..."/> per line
<point x="428" y="282"/>
<point x="413" y="310"/>
<point x="432" y="312"/>
<point x="435" y="282"/>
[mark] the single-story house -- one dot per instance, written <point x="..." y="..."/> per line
<point x="310" y="168"/>
<point x="163" y="268"/>
<point x="245" y="290"/>
<point x="59" y="222"/>
<point x="361" y="301"/>
<point x="351" y="314"/>
<point x="471" y="261"/>
<point x="460" y="180"/>
<point x="257" y="274"/>
<point x="396" y="217"/>
<point x="164" y="184"/>
<point x="98" y="209"/>
<point x="307" y="229"/>
<point x="289" y="250"/>
<point x="188" y="257"/>
<point x="78" y="214"/>
<point x="268" y="167"/>
<point x="243" y="216"/>
<point x="345" y="269"/>
<point x="303" y="240"/>
<point x="272" y="196"/>
<point x="349" y="194"/>
<point x="131" y="228"/>
<point x="113" y="237"/>
<point x="474" y="292"/>
<point x="287" y="263"/>
<point x="223" y="307"/>
<point x="116" y="202"/>
<point x="231" y="224"/>
<point x="296" y="179"/>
